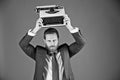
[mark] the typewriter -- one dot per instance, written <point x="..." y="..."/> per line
<point x="52" y="15"/>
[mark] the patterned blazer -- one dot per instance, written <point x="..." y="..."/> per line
<point x="40" y="53"/>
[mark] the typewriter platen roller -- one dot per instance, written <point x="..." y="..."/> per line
<point x="52" y="15"/>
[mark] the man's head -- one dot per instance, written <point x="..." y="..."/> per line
<point x="51" y="39"/>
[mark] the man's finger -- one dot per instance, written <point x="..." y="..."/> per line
<point x="40" y="19"/>
<point x="66" y="16"/>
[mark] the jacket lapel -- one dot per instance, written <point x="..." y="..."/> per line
<point x="66" y="62"/>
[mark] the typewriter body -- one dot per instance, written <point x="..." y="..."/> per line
<point x="52" y="15"/>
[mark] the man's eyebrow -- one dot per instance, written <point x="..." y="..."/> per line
<point x="53" y="39"/>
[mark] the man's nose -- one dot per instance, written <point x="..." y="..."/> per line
<point x="52" y="43"/>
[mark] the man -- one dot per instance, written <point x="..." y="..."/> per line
<point x="53" y="60"/>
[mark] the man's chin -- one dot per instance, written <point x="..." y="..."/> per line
<point x="52" y="50"/>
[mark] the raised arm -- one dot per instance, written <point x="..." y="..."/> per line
<point x="76" y="46"/>
<point x="24" y="43"/>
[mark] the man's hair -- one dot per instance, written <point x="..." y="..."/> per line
<point x="51" y="31"/>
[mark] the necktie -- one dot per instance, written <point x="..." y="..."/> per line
<point x="55" y="68"/>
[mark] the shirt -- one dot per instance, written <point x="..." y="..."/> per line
<point x="48" y="68"/>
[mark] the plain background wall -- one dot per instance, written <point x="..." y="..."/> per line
<point x="99" y="21"/>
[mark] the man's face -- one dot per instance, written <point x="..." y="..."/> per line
<point x="51" y="41"/>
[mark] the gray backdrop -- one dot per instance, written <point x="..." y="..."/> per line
<point x="99" y="21"/>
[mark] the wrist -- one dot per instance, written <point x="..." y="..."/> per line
<point x="36" y="29"/>
<point x="70" y="27"/>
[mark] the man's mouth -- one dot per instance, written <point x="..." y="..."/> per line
<point x="52" y="46"/>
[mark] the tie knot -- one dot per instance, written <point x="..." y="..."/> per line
<point x="53" y="53"/>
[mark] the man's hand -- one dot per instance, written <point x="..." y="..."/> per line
<point x="38" y="25"/>
<point x="68" y="23"/>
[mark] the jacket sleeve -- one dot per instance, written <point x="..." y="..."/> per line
<point x="76" y="46"/>
<point x="28" y="48"/>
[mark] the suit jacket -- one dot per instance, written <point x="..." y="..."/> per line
<point x="39" y="54"/>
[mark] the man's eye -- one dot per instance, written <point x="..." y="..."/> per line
<point x="48" y="40"/>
